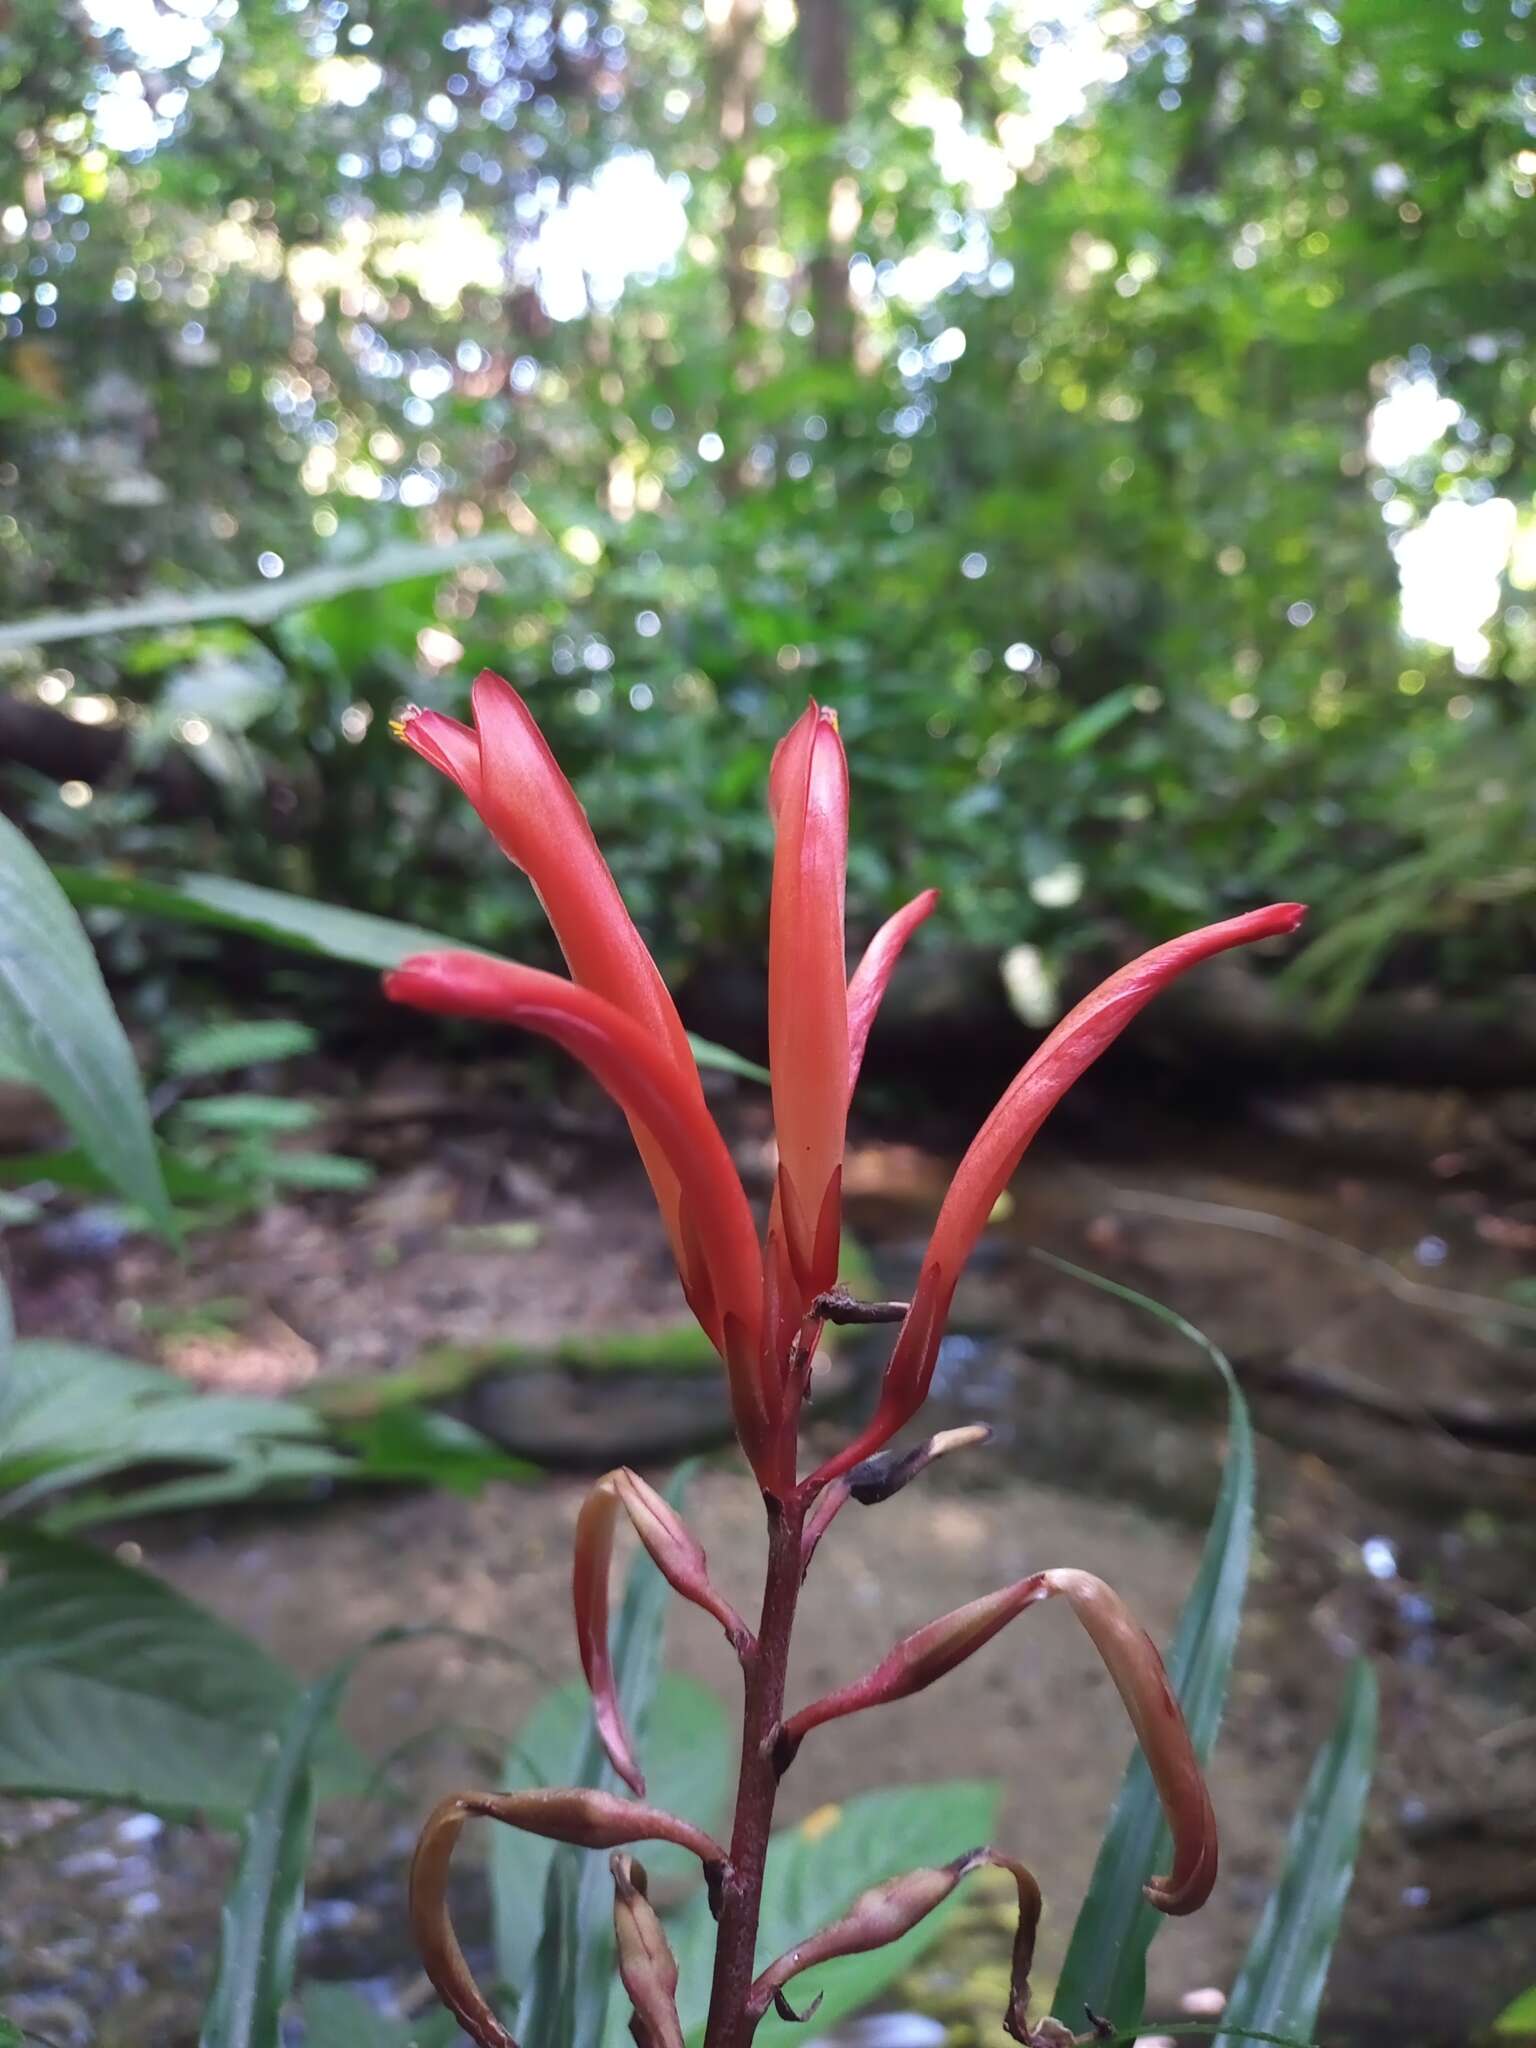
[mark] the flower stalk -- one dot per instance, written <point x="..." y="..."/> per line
<point x="763" y="1302"/>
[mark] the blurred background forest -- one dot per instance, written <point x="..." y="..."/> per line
<point x="1124" y="415"/>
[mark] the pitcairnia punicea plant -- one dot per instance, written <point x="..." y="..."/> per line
<point x="764" y="1304"/>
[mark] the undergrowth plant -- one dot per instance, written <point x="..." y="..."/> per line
<point x="764" y="1306"/>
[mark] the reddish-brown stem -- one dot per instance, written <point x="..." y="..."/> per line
<point x="765" y="1666"/>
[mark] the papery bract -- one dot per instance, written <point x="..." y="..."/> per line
<point x="677" y="1555"/>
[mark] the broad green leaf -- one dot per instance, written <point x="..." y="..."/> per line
<point x="57" y="1023"/>
<point x="1280" y="1985"/>
<point x="249" y="1115"/>
<point x="70" y="1414"/>
<point x="687" y="1766"/>
<point x="259" y="1924"/>
<point x="1106" y="1964"/>
<point x="420" y="1444"/>
<point x="566" y="2000"/>
<point x="1519" y="2018"/>
<point x="224" y="1048"/>
<point x="816" y="1871"/>
<point x="114" y="1687"/>
<point x="283" y="920"/>
<point x="278" y="1471"/>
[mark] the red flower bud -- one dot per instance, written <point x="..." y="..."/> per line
<point x="888" y="1911"/>
<point x="808" y="990"/>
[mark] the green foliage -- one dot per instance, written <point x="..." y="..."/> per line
<point x="259" y="1927"/>
<point x="317" y="928"/>
<point x="58" y="1028"/>
<point x="1280" y="1985"/>
<point x="70" y="1415"/>
<point x="1106" y="1958"/>
<point x="113" y="1687"/>
<point x="1519" y="2018"/>
<point x="336" y="2016"/>
<point x="225" y="1048"/>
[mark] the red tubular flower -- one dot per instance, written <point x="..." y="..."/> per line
<point x="721" y="1268"/>
<point x="808" y="992"/>
<point x="504" y="766"/>
<point x="1000" y="1144"/>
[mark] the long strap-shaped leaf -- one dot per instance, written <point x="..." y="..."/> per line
<point x="260" y="1927"/>
<point x="355" y="936"/>
<point x="1280" y="1985"/>
<point x="1106" y="1965"/>
<point x="57" y="1026"/>
<point x="257" y="604"/>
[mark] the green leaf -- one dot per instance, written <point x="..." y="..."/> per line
<point x="320" y="1173"/>
<point x="565" y="2003"/>
<point x="1519" y="2018"/>
<point x="1280" y="1985"/>
<point x="271" y="914"/>
<point x="1106" y="1964"/>
<point x="70" y="1414"/>
<point x="114" y="1687"/>
<point x="223" y="1048"/>
<point x="249" y="1115"/>
<point x="279" y="1470"/>
<point x="257" y="604"/>
<point x="409" y="1443"/>
<point x="71" y="1169"/>
<point x="308" y="927"/>
<point x="1081" y="732"/>
<point x="815" y="1872"/>
<point x="58" y="1025"/>
<point x="688" y="1761"/>
<point x="259" y="1924"/>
